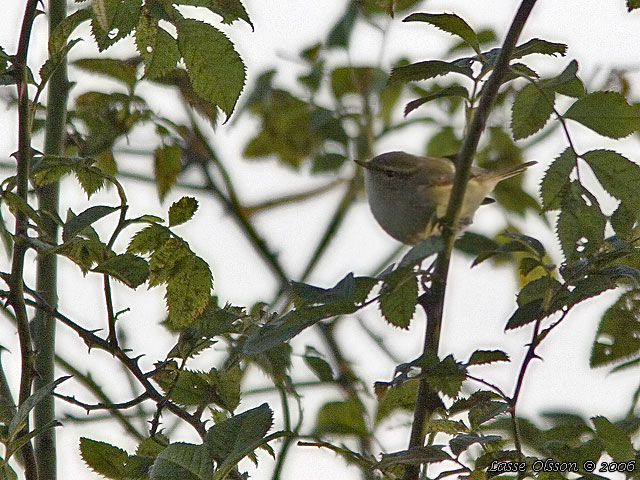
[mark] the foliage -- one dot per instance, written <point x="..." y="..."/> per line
<point x="335" y="110"/>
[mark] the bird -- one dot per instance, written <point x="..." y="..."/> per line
<point x="409" y="194"/>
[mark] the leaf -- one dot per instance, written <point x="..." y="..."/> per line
<point x="450" y="23"/>
<point x="483" y="357"/>
<point x="54" y="61"/>
<point x="188" y="290"/>
<point x="536" y="45"/>
<point x="130" y="269"/>
<point x="341" y="418"/>
<point x="341" y="31"/>
<point x="76" y="224"/>
<point x="567" y="83"/>
<point x="530" y="111"/>
<point x="184" y="461"/>
<point x="215" y="69"/>
<point x="149" y="239"/>
<point x="119" y="70"/>
<point x="398" y="397"/>
<point x="451" y="91"/>
<point x="17" y="204"/>
<point x="398" y="297"/>
<point x="414" y="456"/>
<point x="556" y="179"/>
<point x="618" y="335"/>
<point x="463" y="441"/>
<point x="633" y="4"/>
<point x="103" y="458"/>
<point x="229" y="10"/>
<point x="59" y="36"/>
<point x="158" y="49"/>
<point x="581" y="223"/>
<point x="618" y="175"/>
<point x="182" y="211"/>
<point x="422" y="250"/>
<point x="427" y="69"/>
<point x="616" y="441"/>
<point x="229" y="441"/>
<point x="320" y="367"/>
<point x="358" y="80"/>
<point x="113" y="20"/>
<point x="606" y="113"/>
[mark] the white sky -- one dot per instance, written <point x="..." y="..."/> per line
<point x="600" y="35"/>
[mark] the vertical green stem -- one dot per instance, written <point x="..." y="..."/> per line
<point x="435" y="302"/>
<point x="43" y="325"/>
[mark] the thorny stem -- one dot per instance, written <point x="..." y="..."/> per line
<point x="424" y="403"/>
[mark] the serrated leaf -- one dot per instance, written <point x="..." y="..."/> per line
<point x="450" y="23"/>
<point x="188" y="290"/>
<point x="398" y="297"/>
<point x="606" y="113"/>
<point x="127" y="268"/>
<point x="618" y="335"/>
<point x="398" y="397"/>
<point x="184" y="461"/>
<point x="485" y="411"/>
<point x="482" y="357"/>
<point x="556" y="179"/>
<point x="182" y="211"/>
<point x="59" y="36"/>
<point x="618" y="175"/>
<point x="530" y="111"/>
<point x="76" y="224"/>
<point x="158" y="49"/>
<point x="229" y="10"/>
<point x="215" y="69"/>
<point x="149" y="239"/>
<point x="463" y="441"/>
<point x="537" y="45"/>
<point x="452" y="91"/>
<point x="166" y="168"/>
<point x="112" y="20"/>
<point x="229" y="441"/>
<point x="616" y="441"/>
<point x="91" y="179"/>
<point x="581" y="223"/>
<point x="54" y="61"/>
<point x="427" y="69"/>
<point x="567" y="83"/>
<point x="103" y="458"/>
<point x="120" y="70"/>
<point x="341" y="418"/>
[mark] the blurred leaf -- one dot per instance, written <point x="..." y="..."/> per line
<point x="530" y="111"/>
<point x="341" y="31"/>
<point x="76" y="224"/>
<point x="414" y="456"/>
<point x="398" y="397"/>
<point x="616" y="441"/>
<point x="215" y="69"/>
<point x="618" y="175"/>
<point x="167" y="167"/>
<point x="449" y="23"/>
<point x="341" y="418"/>
<point x="567" y="83"/>
<point x="428" y="69"/>
<point x="357" y="80"/>
<point x="120" y="70"/>
<point x="158" y="49"/>
<point x="473" y="243"/>
<point x="54" y="61"/>
<point x="606" y="113"/>
<point x="59" y="36"/>
<point x="420" y="251"/>
<point x="181" y="460"/>
<point x="182" y="211"/>
<point x="127" y="268"/>
<point x="320" y="367"/>
<point x="556" y="179"/>
<point x="618" y="335"/>
<point x="444" y="143"/>
<point x="463" y="441"/>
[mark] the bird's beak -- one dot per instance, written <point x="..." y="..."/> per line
<point x="362" y="163"/>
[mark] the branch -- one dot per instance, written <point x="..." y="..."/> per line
<point x="436" y="297"/>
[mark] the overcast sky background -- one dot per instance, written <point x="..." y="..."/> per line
<point x="601" y="35"/>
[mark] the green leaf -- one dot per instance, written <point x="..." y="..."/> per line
<point x="616" y="441"/>
<point x="444" y="143"/>
<point x="485" y="411"/>
<point x="398" y="297"/>
<point x="536" y="45"/>
<point x="158" y="49"/>
<point x="618" y="335"/>
<point x="341" y="418"/>
<point x="530" y="111"/>
<point x="581" y="224"/>
<point x="76" y="224"/>
<point x="59" y="36"/>
<point x="556" y="179"/>
<point x="567" y="83"/>
<point x="483" y="357"/>
<point x="91" y="179"/>
<point x="451" y="91"/>
<point x="422" y="250"/>
<point x="320" y="367"/>
<point x="606" y="113"/>
<point x="229" y="441"/>
<point x="398" y="397"/>
<point x="358" y="80"/>
<point x="128" y="268"/>
<point x="17" y="204"/>
<point x="103" y="458"/>
<point x="414" y="456"/>
<point x="184" y="461"/>
<point x="182" y="211"/>
<point x="633" y="4"/>
<point x="120" y="70"/>
<point x="618" y="175"/>
<point x="463" y="441"/>
<point x="113" y="20"/>
<point x="428" y="69"/>
<point x="229" y="10"/>
<point x="53" y="62"/>
<point x="149" y="239"/>
<point x="215" y="69"/>
<point x="450" y="23"/>
<point x="341" y="31"/>
<point x="188" y="290"/>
